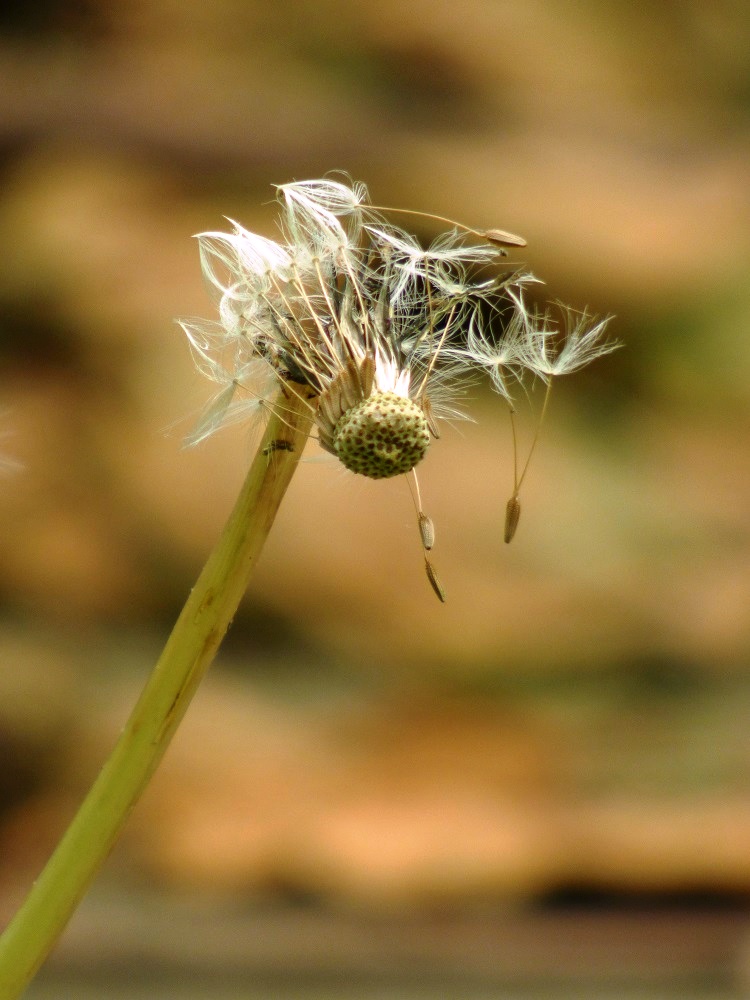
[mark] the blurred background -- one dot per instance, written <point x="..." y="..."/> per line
<point x="537" y="789"/>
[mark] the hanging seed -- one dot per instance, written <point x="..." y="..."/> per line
<point x="427" y="531"/>
<point x="512" y="514"/>
<point x="434" y="582"/>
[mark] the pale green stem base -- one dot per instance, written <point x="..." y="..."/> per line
<point x="189" y="651"/>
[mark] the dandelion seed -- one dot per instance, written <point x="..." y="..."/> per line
<point x="426" y="530"/>
<point x="560" y="349"/>
<point x="534" y="343"/>
<point x="512" y="514"/>
<point x="377" y="332"/>
<point x="504" y="239"/>
<point x="434" y="581"/>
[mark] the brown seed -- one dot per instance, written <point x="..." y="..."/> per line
<point x="502" y="239"/>
<point x="512" y="514"/>
<point x="434" y="582"/>
<point x="426" y="530"/>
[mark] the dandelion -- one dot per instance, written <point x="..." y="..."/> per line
<point x="379" y="330"/>
<point x="354" y="309"/>
<point x="349" y="306"/>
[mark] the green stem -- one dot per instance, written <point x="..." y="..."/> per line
<point x="187" y="655"/>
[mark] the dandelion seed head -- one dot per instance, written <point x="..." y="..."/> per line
<point x="384" y="435"/>
<point x="379" y="333"/>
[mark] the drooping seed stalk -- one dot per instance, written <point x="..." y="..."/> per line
<point x="187" y="655"/>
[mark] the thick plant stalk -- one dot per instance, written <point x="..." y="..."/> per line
<point x="189" y="651"/>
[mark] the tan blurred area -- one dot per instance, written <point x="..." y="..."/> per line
<point x="569" y="732"/>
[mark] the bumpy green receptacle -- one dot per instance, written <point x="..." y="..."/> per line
<point x="385" y="435"/>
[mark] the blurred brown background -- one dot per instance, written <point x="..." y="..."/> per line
<point x="547" y="776"/>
